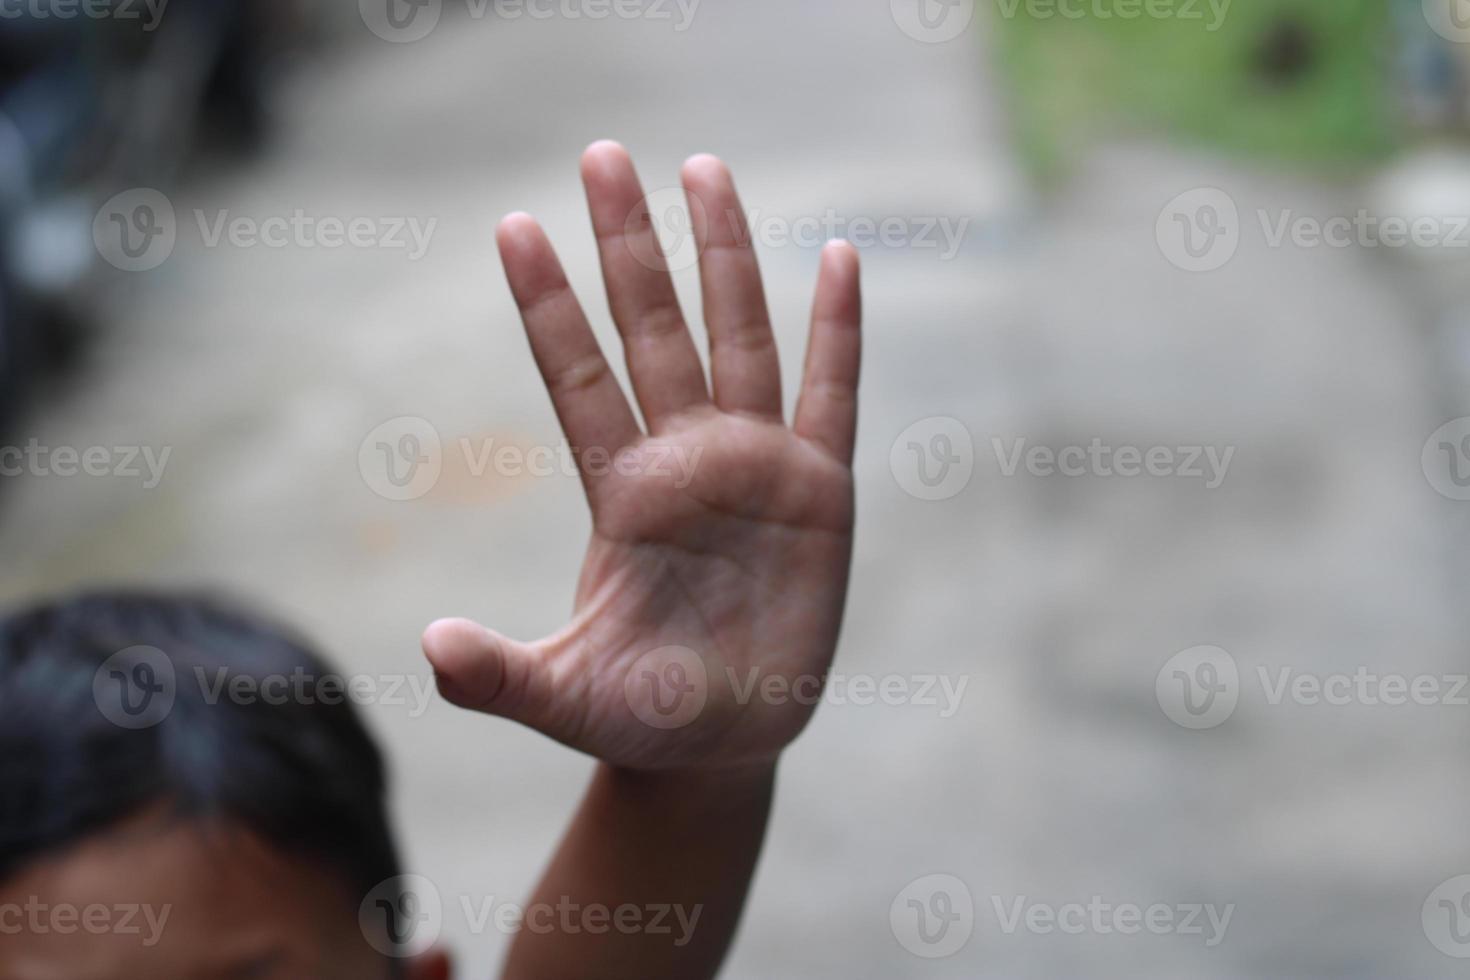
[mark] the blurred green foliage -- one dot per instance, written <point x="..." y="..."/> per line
<point x="1307" y="82"/>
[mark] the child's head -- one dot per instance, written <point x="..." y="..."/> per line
<point x="153" y="825"/>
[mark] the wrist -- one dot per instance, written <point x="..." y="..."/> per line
<point x="726" y="783"/>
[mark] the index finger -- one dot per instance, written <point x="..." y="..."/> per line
<point x="593" y="411"/>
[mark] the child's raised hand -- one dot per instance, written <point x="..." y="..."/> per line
<point x="709" y="603"/>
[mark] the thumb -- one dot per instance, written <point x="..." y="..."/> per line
<point x="479" y="669"/>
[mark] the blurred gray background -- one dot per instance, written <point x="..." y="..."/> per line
<point x="1060" y="319"/>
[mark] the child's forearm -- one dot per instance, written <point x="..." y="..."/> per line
<point x="650" y="879"/>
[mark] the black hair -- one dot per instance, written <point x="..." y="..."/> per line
<point x="80" y="752"/>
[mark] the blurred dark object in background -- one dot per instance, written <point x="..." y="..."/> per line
<point x="96" y="98"/>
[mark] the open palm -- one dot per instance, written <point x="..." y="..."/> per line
<point x="711" y="596"/>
